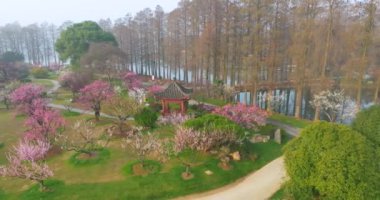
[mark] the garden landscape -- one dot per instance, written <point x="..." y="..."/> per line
<point x="213" y="100"/>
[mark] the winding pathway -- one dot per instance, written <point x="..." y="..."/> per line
<point x="260" y="185"/>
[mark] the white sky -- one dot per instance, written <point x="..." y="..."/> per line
<point x="57" y="11"/>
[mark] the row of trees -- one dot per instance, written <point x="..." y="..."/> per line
<point x="257" y="43"/>
<point x="35" y="41"/>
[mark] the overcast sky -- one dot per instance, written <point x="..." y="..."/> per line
<point x="57" y="11"/>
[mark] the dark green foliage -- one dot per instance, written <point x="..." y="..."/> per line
<point x="10" y="57"/>
<point x="75" y="40"/>
<point x="152" y="166"/>
<point x="40" y="72"/>
<point x="367" y="122"/>
<point x="331" y="161"/>
<point x="98" y="157"/>
<point x="146" y="118"/>
<point x="1" y="145"/>
<point x="210" y="122"/>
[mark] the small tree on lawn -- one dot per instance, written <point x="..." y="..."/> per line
<point x="76" y="80"/>
<point x="94" y="94"/>
<point x="44" y="123"/>
<point x="26" y="161"/>
<point x="331" y="161"/>
<point x="7" y="91"/>
<point x="122" y="108"/>
<point x="247" y="116"/>
<point x="24" y="96"/>
<point x="143" y="145"/>
<point x="86" y="138"/>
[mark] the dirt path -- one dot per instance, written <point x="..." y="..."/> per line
<point x="262" y="184"/>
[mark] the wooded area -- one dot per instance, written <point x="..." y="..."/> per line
<point x="311" y="45"/>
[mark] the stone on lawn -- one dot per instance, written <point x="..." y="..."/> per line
<point x="209" y="173"/>
<point x="277" y="136"/>
<point x="257" y="138"/>
<point x="235" y="156"/>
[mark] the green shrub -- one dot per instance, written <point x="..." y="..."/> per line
<point x="1" y="145"/>
<point x="367" y="122"/>
<point x="40" y="72"/>
<point x="210" y="122"/>
<point x="146" y="118"/>
<point x="331" y="161"/>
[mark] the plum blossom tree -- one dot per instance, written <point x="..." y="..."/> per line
<point x="6" y="91"/>
<point x="173" y="119"/>
<point x="138" y="94"/>
<point x="187" y="138"/>
<point x="247" y="116"/>
<point x="26" y="161"/>
<point x="86" y="138"/>
<point x="76" y="81"/>
<point x="143" y="144"/>
<point x="122" y="108"/>
<point x="25" y="95"/>
<point x="334" y="105"/>
<point x="131" y="80"/>
<point x="44" y="123"/>
<point x="154" y="89"/>
<point x="94" y="94"/>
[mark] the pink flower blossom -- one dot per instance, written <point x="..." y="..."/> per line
<point x="247" y="116"/>
<point x="25" y="95"/>
<point x="94" y="94"/>
<point x="131" y="80"/>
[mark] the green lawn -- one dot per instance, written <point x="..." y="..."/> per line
<point x="43" y="82"/>
<point x="213" y="101"/>
<point x="107" y="180"/>
<point x="299" y="123"/>
<point x="279" y="195"/>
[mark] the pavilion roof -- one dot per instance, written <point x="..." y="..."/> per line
<point x="175" y="91"/>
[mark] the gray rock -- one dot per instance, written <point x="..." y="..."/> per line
<point x="277" y="136"/>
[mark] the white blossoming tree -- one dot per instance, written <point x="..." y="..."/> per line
<point x="334" y="104"/>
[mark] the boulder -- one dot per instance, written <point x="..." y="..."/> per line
<point x="277" y="136"/>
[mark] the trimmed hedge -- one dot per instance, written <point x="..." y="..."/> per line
<point x="146" y="118"/>
<point x="211" y="122"/>
<point x="367" y="122"/>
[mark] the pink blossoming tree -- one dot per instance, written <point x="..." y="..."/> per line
<point x="247" y="116"/>
<point x="131" y="80"/>
<point x="26" y="161"/>
<point x="94" y="94"/>
<point x="154" y="89"/>
<point x="44" y="124"/>
<point x="24" y="96"/>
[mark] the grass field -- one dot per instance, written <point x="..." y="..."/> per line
<point x="107" y="180"/>
<point x="299" y="123"/>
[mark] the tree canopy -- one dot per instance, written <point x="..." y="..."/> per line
<point x="76" y="39"/>
<point x="331" y="161"/>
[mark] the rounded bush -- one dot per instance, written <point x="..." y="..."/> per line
<point x="146" y="118"/>
<point x="40" y="72"/>
<point x="367" y="122"/>
<point x="331" y="161"/>
<point x="211" y="122"/>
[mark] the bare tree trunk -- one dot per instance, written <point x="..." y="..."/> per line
<point x="298" y="105"/>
